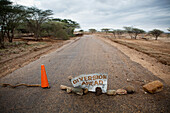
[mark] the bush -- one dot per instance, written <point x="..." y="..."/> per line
<point x="61" y="34"/>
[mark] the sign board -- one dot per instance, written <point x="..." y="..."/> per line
<point x="91" y="81"/>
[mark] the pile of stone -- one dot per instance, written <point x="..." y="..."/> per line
<point x="83" y="91"/>
<point x="124" y="91"/>
<point x="78" y="91"/>
<point x="152" y="87"/>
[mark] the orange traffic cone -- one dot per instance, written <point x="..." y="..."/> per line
<point x="44" y="80"/>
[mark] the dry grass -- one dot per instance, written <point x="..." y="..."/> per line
<point x="24" y="51"/>
<point x="19" y="47"/>
<point x="157" y="49"/>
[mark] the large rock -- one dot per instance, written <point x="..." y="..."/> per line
<point x="63" y="87"/>
<point x="121" y="92"/>
<point x="153" y="87"/>
<point x="78" y="91"/>
<point x="130" y="89"/>
<point x="111" y="92"/>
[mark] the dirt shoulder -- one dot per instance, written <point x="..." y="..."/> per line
<point x="21" y="53"/>
<point x="148" y="54"/>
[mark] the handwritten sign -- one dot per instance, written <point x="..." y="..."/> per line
<point x="91" y="81"/>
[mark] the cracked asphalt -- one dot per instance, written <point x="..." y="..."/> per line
<point x="85" y="56"/>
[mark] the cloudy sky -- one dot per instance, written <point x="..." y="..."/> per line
<point x="98" y="14"/>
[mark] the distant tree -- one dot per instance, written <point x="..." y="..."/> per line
<point x="106" y="30"/>
<point x="133" y="32"/>
<point x="92" y="30"/>
<point x="81" y="30"/>
<point x="168" y="33"/>
<point x="168" y="29"/>
<point x="69" y="25"/>
<point x="114" y="33"/>
<point x="118" y="32"/>
<point x="137" y="31"/>
<point x="156" y="33"/>
<point x="36" y="18"/>
<point x="129" y="30"/>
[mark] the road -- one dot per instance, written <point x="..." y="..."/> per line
<point x="84" y="56"/>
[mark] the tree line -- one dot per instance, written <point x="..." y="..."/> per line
<point x="21" y="19"/>
<point x="133" y="32"/>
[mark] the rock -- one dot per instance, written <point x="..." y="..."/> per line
<point x="111" y="92"/>
<point x="130" y="89"/>
<point x="78" y="91"/>
<point x="98" y="91"/>
<point x="153" y="87"/>
<point x="63" y="87"/>
<point x="85" y="91"/>
<point x="128" y="80"/>
<point x="121" y="92"/>
<point x="70" y="77"/>
<point x="69" y="89"/>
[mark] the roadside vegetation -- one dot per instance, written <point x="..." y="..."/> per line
<point x="133" y="33"/>
<point x="26" y="33"/>
<point x="17" y="21"/>
<point x="154" y="43"/>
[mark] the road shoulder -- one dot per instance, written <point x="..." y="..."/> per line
<point x="158" y="69"/>
<point x="20" y="60"/>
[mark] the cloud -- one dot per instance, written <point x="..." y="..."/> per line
<point x="146" y="14"/>
<point x="27" y="2"/>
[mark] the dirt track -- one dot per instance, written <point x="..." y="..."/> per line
<point x="87" y="55"/>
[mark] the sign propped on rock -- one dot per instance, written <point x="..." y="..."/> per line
<point x="91" y="82"/>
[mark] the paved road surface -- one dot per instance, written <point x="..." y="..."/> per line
<point x="85" y="56"/>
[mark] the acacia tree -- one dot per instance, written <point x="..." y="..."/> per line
<point x="129" y="30"/>
<point x="68" y="25"/>
<point x="137" y="31"/>
<point x="168" y="33"/>
<point x="133" y="32"/>
<point x="168" y="29"/>
<point x="118" y="32"/>
<point x="14" y="17"/>
<point x="114" y="33"/>
<point x="36" y="18"/>
<point x="156" y="33"/>
<point x="106" y="30"/>
<point x="5" y="8"/>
